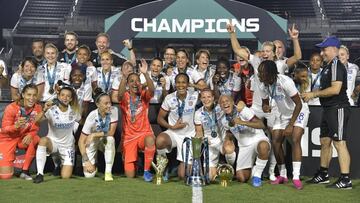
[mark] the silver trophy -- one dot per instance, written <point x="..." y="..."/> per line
<point x="199" y="175"/>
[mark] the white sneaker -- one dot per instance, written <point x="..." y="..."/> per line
<point x="25" y="176"/>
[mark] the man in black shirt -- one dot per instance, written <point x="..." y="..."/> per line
<point x="102" y="44"/>
<point x="37" y="49"/>
<point x="333" y="99"/>
<point x="68" y="55"/>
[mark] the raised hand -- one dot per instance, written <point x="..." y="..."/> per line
<point x="293" y="32"/>
<point x="127" y="43"/>
<point x="230" y="28"/>
<point x="143" y="67"/>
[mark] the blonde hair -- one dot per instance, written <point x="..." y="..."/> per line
<point x="51" y="45"/>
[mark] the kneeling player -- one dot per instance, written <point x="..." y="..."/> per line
<point x="98" y="134"/>
<point x="62" y="121"/>
<point x="248" y="131"/>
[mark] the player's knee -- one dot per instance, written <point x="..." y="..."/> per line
<point x="6" y="176"/>
<point x="339" y="144"/>
<point x="89" y="175"/>
<point x="241" y="178"/>
<point x="161" y="141"/>
<point x="149" y="142"/>
<point x="229" y="148"/>
<point x="325" y="142"/>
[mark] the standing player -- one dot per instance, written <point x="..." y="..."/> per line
<point x="26" y="76"/>
<point x="52" y="71"/>
<point x="98" y="134"/>
<point x="179" y="106"/>
<point x="335" y="115"/>
<point x="247" y="129"/>
<point x="137" y="133"/>
<point x="206" y="125"/>
<point x="203" y="67"/>
<point x="352" y="70"/>
<point x="68" y="55"/>
<point x="83" y="57"/>
<point x="107" y="73"/>
<point x="290" y="122"/>
<point x="19" y="130"/>
<point x="315" y="75"/>
<point x="63" y="121"/>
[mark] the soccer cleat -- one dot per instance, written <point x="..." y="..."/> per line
<point x="108" y="177"/>
<point x="39" y="178"/>
<point x="341" y="183"/>
<point x="148" y="176"/>
<point x="25" y="176"/>
<point x="319" y="178"/>
<point x="297" y="184"/>
<point x="256" y="181"/>
<point x="279" y="180"/>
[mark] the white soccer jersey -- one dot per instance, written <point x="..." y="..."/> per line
<point x="107" y="79"/>
<point x="171" y="104"/>
<point x="255" y="62"/>
<point x="156" y="99"/>
<point x="315" y="85"/>
<point x="62" y="72"/>
<point x="194" y="76"/>
<point x="202" y="118"/>
<point x="18" y="82"/>
<point x="281" y="65"/>
<point x="92" y="123"/>
<point x="62" y="125"/>
<point x="232" y="84"/>
<point x="281" y="92"/>
<point x="84" y="94"/>
<point x="352" y="70"/>
<point x="244" y="135"/>
<point x="206" y="74"/>
<point x="91" y="75"/>
<point x="257" y="100"/>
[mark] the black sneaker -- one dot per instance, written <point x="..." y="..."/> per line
<point x="39" y="178"/>
<point x="341" y="183"/>
<point x="56" y="171"/>
<point x="319" y="178"/>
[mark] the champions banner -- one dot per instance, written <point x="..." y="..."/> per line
<point x="200" y="19"/>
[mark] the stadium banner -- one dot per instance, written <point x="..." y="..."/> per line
<point x="188" y="19"/>
<point x="310" y="142"/>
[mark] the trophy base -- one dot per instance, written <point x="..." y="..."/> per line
<point x="195" y="181"/>
<point x="158" y="180"/>
<point x="224" y="183"/>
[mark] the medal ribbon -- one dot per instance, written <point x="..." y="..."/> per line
<point x="133" y="106"/>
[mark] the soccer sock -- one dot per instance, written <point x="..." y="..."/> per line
<point x="323" y="170"/>
<point x="230" y="158"/>
<point x="259" y="167"/>
<point x="283" y="171"/>
<point x="40" y="159"/>
<point x="296" y="169"/>
<point x="29" y="155"/>
<point x="148" y="157"/>
<point x="345" y="176"/>
<point x="109" y="154"/>
<point x="272" y="164"/>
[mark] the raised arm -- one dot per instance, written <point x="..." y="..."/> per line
<point x="294" y="35"/>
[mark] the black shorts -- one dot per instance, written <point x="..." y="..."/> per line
<point x="334" y="122"/>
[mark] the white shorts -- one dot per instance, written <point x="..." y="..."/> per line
<point x="247" y="155"/>
<point x="65" y="152"/>
<point x="301" y="121"/>
<point x="270" y="117"/>
<point x="178" y="142"/>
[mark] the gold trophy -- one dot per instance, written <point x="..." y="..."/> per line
<point x="161" y="162"/>
<point x="225" y="173"/>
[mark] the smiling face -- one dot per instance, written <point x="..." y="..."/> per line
<point x="104" y="104"/>
<point x="222" y="70"/>
<point x="169" y="55"/>
<point x="77" y="78"/>
<point x="226" y="104"/>
<point x="102" y="43"/>
<point x="268" y="53"/>
<point x="280" y="49"/>
<point x="315" y="62"/>
<point x="181" y="84"/>
<point x="29" y="97"/>
<point x="28" y="70"/>
<point x="301" y="76"/>
<point x="203" y="61"/>
<point x="38" y="49"/>
<point x="82" y="56"/>
<point x="106" y="61"/>
<point x="343" y="56"/>
<point x="207" y="99"/>
<point x="329" y="53"/>
<point x="181" y="60"/>
<point x="65" y="97"/>
<point x="133" y="83"/>
<point x="70" y="42"/>
<point x="156" y="67"/>
<point x="51" y="55"/>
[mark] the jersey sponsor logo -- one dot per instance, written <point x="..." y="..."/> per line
<point x="193" y="25"/>
<point x="63" y="125"/>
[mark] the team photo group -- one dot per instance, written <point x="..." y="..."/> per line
<point x="244" y="110"/>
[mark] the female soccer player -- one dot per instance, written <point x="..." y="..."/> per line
<point x="179" y="106"/>
<point x="282" y="89"/>
<point x="241" y="122"/>
<point x="27" y="75"/>
<point x="63" y="121"/>
<point x="107" y="73"/>
<point x="98" y="134"/>
<point x="206" y="125"/>
<point x="19" y="130"/>
<point x="137" y="133"/>
<point x="203" y="67"/>
<point x="315" y="76"/>
<point x="83" y="56"/>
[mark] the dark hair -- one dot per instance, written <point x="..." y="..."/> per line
<point x="98" y="93"/>
<point x="38" y="40"/>
<point x="182" y="74"/>
<point x="75" y="67"/>
<point x="29" y="59"/>
<point x="223" y="60"/>
<point x="300" y="67"/>
<point x="207" y="90"/>
<point x="269" y="69"/>
<point x="169" y="47"/>
<point x="316" y="54"/>
<point x="202" y="51"/>
<point x="28" y="86"/>
<point x="71" y="33"/>
<point x="157" y="58"/>
<point x="131" y="75"/>
<point x="83" y="46"/>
